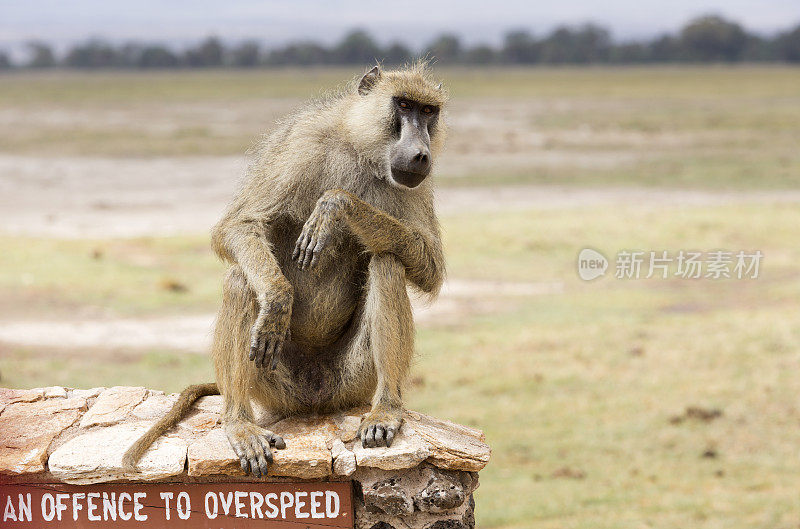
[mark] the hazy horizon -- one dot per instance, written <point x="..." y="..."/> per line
<point x="417" y="22"/>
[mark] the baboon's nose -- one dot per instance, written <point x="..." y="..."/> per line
<point x="421" y="162"/>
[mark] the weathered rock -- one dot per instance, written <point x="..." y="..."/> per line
<point x="443" y="492"/>
<point x="212" y="455"/>
<point x="55" y="392"/>
<point x="408" y="450"/>
<point x="96" y="456"/>
<point x="452" y="445"/>
<point x="28" y="428"/>
<point x="344" y="461"/>
<point x="347" y="427"/>
<point x="153" y="407"/>
<point x="113" y="405"/>
<point x="12" y="396"/>
<point x="388" y="496"/>
<point x="87" y="393"/>
<point x="198" y="422"/>
<point x="211" y="404"/>
<point x="306" y="454"/>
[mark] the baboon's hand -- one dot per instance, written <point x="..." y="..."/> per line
<point x="270" y="331"/>
<point x="253" y="445"/>
<point x="318" y="229"/>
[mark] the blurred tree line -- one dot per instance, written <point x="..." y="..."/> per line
<point x="704" y="39"/>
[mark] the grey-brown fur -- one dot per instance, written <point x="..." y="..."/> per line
<point x="321" y="242"/>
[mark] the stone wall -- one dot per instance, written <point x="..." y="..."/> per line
<point x="425" y="479"/>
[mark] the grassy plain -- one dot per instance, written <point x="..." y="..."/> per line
<point x="610" y="404"/>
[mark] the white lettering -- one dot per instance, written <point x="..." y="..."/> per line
<point x="91" y="507"/>
<point x="122" y="514"/>
<point x="298" y="504"/>
<point x="226" y="505"/>
<point x="75" y="505"/>
<point x="166" y="496"/>
<point x="25" y="508"/>
<point x="209" y="513"/>
<point x="137" y="506"/>
<point x="48" y="513"/>
<point x="240" y="495"/>
<point x="184" y="508"/>
<point x="60" y="507"/>
<point x="110" y="506"/>
<point x="269" y="499"/>
<point x="9" y="512"/>
<point x="331" y="504"/>
<point x="315" y="504"/>
<point x="256" y="506"/>
<point x="287" y="500"/>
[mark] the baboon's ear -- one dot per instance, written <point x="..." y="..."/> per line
<point x="369" y="80"/>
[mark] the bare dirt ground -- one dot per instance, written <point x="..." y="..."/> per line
<point x="89" y="197"/>
<point x="193" y="333"/>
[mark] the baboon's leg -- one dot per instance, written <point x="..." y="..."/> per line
<point x="237" y="376"/>
<point x="389" y="320"/>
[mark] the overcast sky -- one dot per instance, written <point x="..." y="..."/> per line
<point x="413" y="21"/>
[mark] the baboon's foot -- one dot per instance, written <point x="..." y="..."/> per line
<point x="253" y="445"/>
<point x="379" y="427"/>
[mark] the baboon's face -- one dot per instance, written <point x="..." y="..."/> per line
<point x="410" y="155"/>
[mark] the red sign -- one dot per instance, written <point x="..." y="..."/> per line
<point x="179" y="505"/>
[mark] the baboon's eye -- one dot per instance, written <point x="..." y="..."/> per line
<point x="405" y="105"/>
<point x="427" y="109"/>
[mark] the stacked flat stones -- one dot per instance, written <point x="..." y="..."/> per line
<point x="425" y="479"/>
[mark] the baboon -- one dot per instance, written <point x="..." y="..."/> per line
<point x="334" y="216"/>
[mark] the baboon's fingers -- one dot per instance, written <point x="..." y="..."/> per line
<point x="277" y="441"/>
<point x="369" y="438"/>
<point x="265" y="447"/>
<point x="389" y="436"/>
<point x="317" y="249"/>
<point x="259" y="356"/>
<point x="276" y="353"/>
<point x="380" y="436"/>
<point x="302" y="241"/>
<point x="253" y="347"/>
<point x="309" y="253"/>
<point x="269" y="352"/>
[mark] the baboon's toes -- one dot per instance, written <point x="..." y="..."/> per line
<point x="277" y="441"/>
<point x="254" y="454"/>
<point x="380" y="434"/>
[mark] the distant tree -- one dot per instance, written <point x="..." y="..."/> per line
<point x="445" y="49"/>
<point x="519" y="47"/>
<point x="300" y="53"/>
<point x="759" y="49"/>
<point x="92" y="54"/>
<point x="397" y="53"/>
<point x="664" y="48"/>
<point x="585" y="44"/>
<point x="41" y="55"/>
<point x="357" y="47"/>
<point x="712" y="38"/>
<point x="246" y="55"/>
<point x="631" y="52"/>
<point x="480" y="55"/>
<point x="156" y="56"/>
<point x="208" y="54"/>
<point x="5" y="61"/>
<point x="787" y="45"/>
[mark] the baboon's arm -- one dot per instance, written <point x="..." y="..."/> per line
<point x="246" y="242"/>
<point x="419" y="251"/>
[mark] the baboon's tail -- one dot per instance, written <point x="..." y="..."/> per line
<point x="187" y="397"/>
